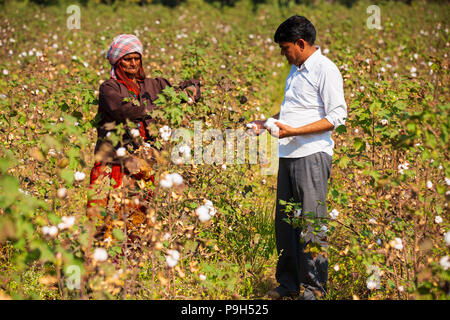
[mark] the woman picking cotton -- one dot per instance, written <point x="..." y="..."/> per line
<point x="126" y="98"/>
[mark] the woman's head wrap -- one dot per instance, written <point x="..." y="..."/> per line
<point x="121" y="46"/>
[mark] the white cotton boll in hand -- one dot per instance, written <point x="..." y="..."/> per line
<point x="252" y="125"/>
<point x="274" y="129"/>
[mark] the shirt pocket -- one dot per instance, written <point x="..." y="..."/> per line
<point x="306" y="93"/>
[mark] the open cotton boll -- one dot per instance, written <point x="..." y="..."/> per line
<point x="203" y="213"/>
<point x="172" y="258"/>
<point x="252" y="125"/>
<point x="166" y="183"/>
<point x="176" y="178"/>
<point x="79" y="176"/>
<point x="135" y="133"/>
<point x="100" y="255"/>
<point x="274" y="129"/>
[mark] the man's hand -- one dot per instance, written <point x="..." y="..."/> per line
<point x="284" y="130"/>
<point x="259" y="127"/>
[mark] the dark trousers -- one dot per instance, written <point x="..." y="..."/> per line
<point x="301" y="180"/>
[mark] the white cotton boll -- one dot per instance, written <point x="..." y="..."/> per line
<point x="334" y="214"/>
<point x="202" y="277"/>
<point x="171" y="262"/>
<point x="429" y="184"/>
<point x="135" y="133"/>
<point x="100" y="255"/>
<point x="396" y="244"/>
<point x="61" y="193"/>
<point x="166" y="183"/>
<point x="203" y="213"/>
<point x="79" y="176"/>
<point x="121" y="152"/>
<point x="413" y="70"/>
<point x="438" y="219"/>
<point x="177" y="179"/>
<point x="274" y="129"/>
<point x="371" y="284"/>
<point x="172" y="258"/>
<point x="69" y="221"/>
<point x="445" y="262"/>
<point x="336" y="267"/>
<point x="297" y="213"/>
<point x="447" y="238"/>
<point x="447" y="180"/>
<point x="51" y="231"/>
<point x="165" y="132"/>
<point x="384" y="122"/>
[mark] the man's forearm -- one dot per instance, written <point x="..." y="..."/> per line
<point x="321" y="125"/>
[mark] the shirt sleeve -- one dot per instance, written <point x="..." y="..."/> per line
<point x="113" y="105"/>
<point x="331" y="89"/>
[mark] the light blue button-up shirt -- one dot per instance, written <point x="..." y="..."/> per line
<point x="313" y="91"/>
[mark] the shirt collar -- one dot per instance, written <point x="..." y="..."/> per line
<point x="311" y="60"/>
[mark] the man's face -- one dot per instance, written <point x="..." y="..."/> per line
<point x="131" y="63"/>
<point x="292" y="51"/>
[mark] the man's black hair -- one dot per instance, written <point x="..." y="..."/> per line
<point x="294" y="28"/>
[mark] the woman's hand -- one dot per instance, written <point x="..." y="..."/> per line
<point x="191" y="92"/>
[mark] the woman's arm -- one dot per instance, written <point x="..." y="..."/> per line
<point x="112" y="104"/>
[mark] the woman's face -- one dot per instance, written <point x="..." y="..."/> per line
<point x="131" y="63"/>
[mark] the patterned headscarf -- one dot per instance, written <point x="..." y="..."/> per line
<point x="122" y="45"/>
